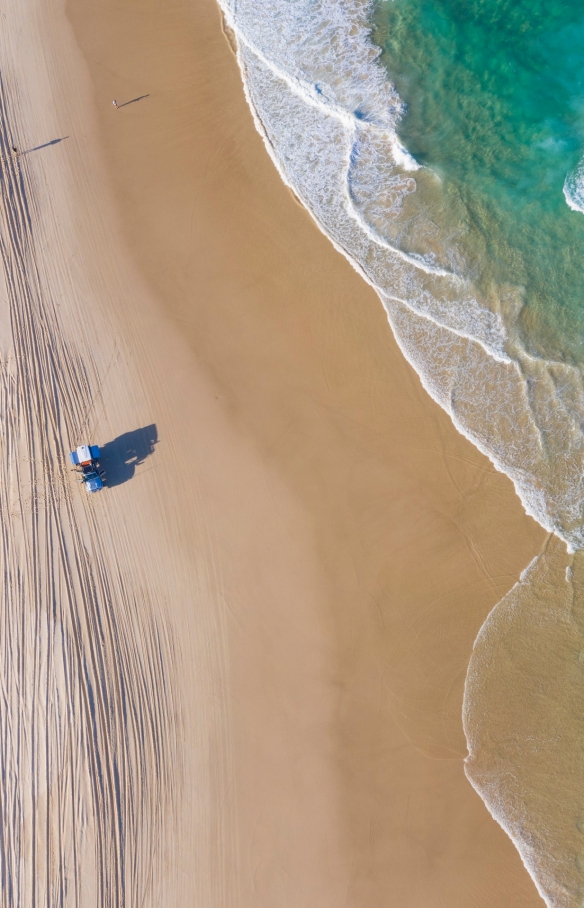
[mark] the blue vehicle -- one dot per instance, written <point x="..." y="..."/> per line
<point x="85" y="459"/>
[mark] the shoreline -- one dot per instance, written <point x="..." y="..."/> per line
<point x="338" y="545"/>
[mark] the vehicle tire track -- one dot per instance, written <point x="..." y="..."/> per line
<point x="88" y="712"/>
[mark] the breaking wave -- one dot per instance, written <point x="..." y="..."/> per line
<point x="329" y="115"/>
<point x="574" y="188"/>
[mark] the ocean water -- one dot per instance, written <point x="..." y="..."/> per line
<point x="440" y="146"/>
<point x="523" y="709"/>
<point x="495" y="107"/>
<point x="461" y="267"/>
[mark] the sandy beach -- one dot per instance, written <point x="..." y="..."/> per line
<point x="235" y="676"/>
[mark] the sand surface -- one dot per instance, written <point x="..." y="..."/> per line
<point x="234" y="677"/>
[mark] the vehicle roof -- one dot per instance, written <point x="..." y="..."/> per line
<point x="83" y="453"/>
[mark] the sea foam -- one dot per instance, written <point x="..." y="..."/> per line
<point x="328" y="114"/>
<point x="574" y="188"/>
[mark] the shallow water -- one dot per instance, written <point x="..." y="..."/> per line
<point x="446" y="168"/>
<point x="468" y="274"/>
<point x="495" y="107"/>
<point x="524" y="702"/>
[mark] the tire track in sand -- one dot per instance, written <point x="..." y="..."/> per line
<point x="87" y="713"/>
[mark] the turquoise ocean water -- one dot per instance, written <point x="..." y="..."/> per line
<point x="494" y="94"/>
<point x="439" y="144"/>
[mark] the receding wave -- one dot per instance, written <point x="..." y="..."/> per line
<point x="329" y="116"/>
<point x="524" y="696"/>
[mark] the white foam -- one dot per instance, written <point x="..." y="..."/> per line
<point x="402" y="157"/>
<point x="574" y="188"/>
<point x="328" y="114"/>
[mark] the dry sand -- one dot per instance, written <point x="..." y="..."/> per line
<point x="234" y="678"/>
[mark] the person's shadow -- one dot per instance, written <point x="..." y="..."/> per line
<point x="120" y="457"/>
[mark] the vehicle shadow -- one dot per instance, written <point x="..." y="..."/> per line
<point x="120" y="457"/>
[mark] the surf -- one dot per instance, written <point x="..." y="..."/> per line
<point x="437" y="158"/>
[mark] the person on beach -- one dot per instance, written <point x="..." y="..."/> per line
<point x="115" y="103"/>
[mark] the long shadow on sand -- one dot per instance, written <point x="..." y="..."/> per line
<point x="46" y="145"/>
<point x="120" y="457"/>
<point x="133" y="101"/>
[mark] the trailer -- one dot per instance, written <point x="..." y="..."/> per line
<point x="85" y="460"/>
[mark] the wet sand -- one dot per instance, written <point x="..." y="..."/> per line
<point x="305" y="548"/>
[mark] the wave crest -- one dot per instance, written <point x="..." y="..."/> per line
<point x="574" y="188"/>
